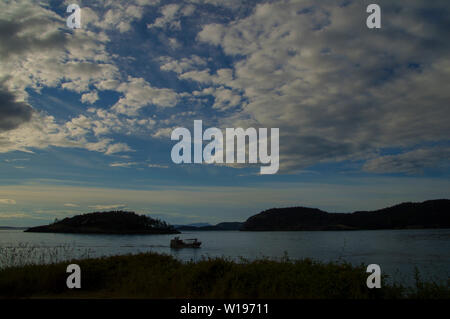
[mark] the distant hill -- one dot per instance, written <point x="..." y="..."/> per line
<point x="428" y="214"/>
<point x="114" y="222"/>
<point x="220" y="226"/>
<point x="192" y="225"/>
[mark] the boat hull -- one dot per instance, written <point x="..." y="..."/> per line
<point x="178" y="243"/>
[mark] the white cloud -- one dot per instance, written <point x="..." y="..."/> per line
<point x="116" y="15"/>
<point x="335" y="89"/>
<point x="224" y="98"/>
<point x="127" y="164"/>
<point x="170" y="16"/>
<point x="117" y="148"/>
<point x="139" y="93"/>
<point x="43" y="131"/>
<point x="181" y="66"/>
<point x="90" y="97"/>
<point x="36" y="53"/>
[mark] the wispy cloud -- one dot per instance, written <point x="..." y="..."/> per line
<point x="7" y="201"/>
<point x="71" y="205"/>
<point x="157" y="166"/>
<point x="126" y="164"/>
<point x="101" y="207"/>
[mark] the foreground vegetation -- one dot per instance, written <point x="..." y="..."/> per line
<point x="153" y="275"/>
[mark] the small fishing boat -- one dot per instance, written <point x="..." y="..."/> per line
<point x="185" y="243"/>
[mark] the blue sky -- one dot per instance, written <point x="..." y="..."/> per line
<point x="86" y="115"/>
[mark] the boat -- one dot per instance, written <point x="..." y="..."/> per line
<point x="185" y="243"/>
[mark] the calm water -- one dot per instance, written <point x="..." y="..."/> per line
<point x="396" y="251"/>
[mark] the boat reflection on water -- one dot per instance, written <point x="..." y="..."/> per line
<point x="184" y="243"/>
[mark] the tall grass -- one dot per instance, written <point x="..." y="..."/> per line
<point x="25" y="254"/>
<point x="151" y="275"/>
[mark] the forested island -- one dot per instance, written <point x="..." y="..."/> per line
<point x="113" y="222"/>
<point x="428" y="214"/>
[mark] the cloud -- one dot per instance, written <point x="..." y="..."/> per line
<point x="139" y="93"/>
<point x="412" y="162"/>
<point x="43" y="131"/>
<point x="71" y="205"/>
<point x="157" y="166"/>
<point x="171" y="15"/>
<point x="183" y="65"/>
<point x="224" y="98"/>
<point x="127" y="164"/>
<point x="90" y="97"/>
<point x="18" y="30"/>
<point x="37" y="53"/>
<point x="130" y="164"/>
<point x="102" y="207"/>
<point x="12" y="112"/>
<point x="15" y="215"/>
<point x="117" y="148"/>
<point x="116" y="15"/>
<point x="6" y="201"/>
<point x="337" y="90"/>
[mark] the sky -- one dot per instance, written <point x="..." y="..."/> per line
<point x="86" y="114"/>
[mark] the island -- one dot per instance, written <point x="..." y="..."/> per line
<point x="428" y="214"/>
<point x="113" y="222"/>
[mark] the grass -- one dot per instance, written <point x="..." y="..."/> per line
<point x="152" y="275"/>
<point x="27" y="254"/>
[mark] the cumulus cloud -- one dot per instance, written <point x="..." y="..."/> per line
<point x="90" y="97"/>
<point x="35" y="53"/>
<point x="183" y="65"/>
<point x="336" y="89"/>
<point x="114" y="15"/>
<point x="170" y="16"/>
<point x="224" y="98"/>
<point x="139" y="93"/>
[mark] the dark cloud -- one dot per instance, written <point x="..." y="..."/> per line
<point x="15" y="43"/>
<point x="12" y="113"/>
